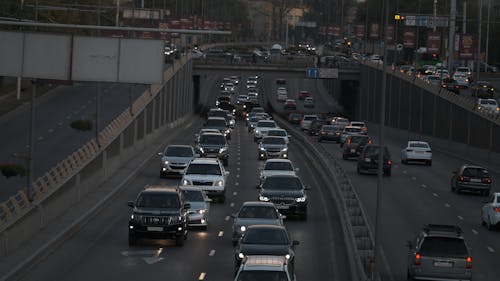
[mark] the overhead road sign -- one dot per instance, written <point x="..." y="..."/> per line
<point x="306" y="23"/>
<point x="312" y="72"/>
<point x="426" y="21"/>
<point x="322" y="73"/>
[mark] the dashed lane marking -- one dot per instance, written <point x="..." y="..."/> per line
<point x="414" y="178"/>
<point x="236" y="183"/>
<point x="231" y="205"/>
<point x="238" y="175"/>
<point x="447" y="205"/>
<point x="40" y="138"/>
<point x="491" y="249"/>
<point x="51" y="131"/>
<point x="68" y="117"/>
<point x="238" y="163"/>
<point x="59" y="124"/>
<point x="221" y="233"/>
<point x="475" y="231"/>
<point x="405" y="172"/>
<point x="238" y="168"/>
<point x="235" y="193"/>
<point x="423" y="186"/>
<point x="435" y="194"/>
<point x="226" y="218"/>
<point x="211" y="253"/>
<point x="202" y="276"/>
<point x="460" y="218"/>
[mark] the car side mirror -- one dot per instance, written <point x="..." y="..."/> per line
<point x="187" y="206"/>
<point x="295" y="242"/>
<point x="160" y="153"/>
<point x="130" y="204"/>
<point x="209" y="200"/>
<point x="297" y="169"/>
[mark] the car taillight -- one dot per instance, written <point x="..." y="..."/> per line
<point x="348" y="141"/>
<point x="364" y="129"/>
<point x="496" y="209"/>
<point x="389" y="162"/>
<point x="487" y="180"/>
<point x="418" y="257"/>
<point x="369" y="141"/>
<point x="468" y="262"/>
<point x="462" y="178"/>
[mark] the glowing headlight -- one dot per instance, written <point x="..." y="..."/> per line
<point x="301" y="199"/>
<point x="285" y="149"/>
<point x="231" y="122"/>
<point x="201" y="149"/>
<point x="219" y="183"/>
<point x="202" y="211"/>
<point x="287" y="256"/>
<point x="132" y="216"/>
<point x="263" y="198"/>
<point x="262" y="149"/>
<point x="243" y="228"/>
<point x="222" y="149"/>
<point x="185" y="182"/>
<point x="241" y="255"/>
<point x="257" y="132"/>
<point x="166" y="162"/>
<point x="227" y="132"/>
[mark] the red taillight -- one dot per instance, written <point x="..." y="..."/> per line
<point x="496" y="209"/>
<point x="462" y="178"/>
<point x="301" y="121"/>
<point x="389" y="162"/>
<point x="417" y="259"/>
<point x="369" y="141"/>
<point x="364" y="129"/>
<point x="487" y="180"/>
<point x="468" y="262"/>
<point x="349" y="141"/>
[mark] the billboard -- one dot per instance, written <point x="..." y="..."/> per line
<point x="374" y="31"/>
<point x="389" y="36"/>
<point x="336" y="31"/>
<point x="360" y="31"/>
<point x="409" y="38"/>
<point x="433" y="42"/>
<point x="467" y="47"/>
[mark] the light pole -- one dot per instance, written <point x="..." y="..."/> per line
<point x="478" y="52"/>
<point x="487" y="35"/>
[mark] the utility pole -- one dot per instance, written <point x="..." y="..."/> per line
<point x="487" y="34"/>
<point x="435" y="15"/>
<point x="117" y="16"/>
<point x="451" y="37"/>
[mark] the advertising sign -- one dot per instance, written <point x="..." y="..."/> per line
<point x="374" y="30"/>
<point x="467" y="47"/>
<point x="390" y="34"/>
<point x="433" y="42"/>
<point x="322" y="30"/>
<point x="360" y="31"/>
<point x="409" y="38"/>
<point x="336" y="31"/>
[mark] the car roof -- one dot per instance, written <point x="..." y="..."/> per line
<point x="421" y="142"/>
<point x="178" y="145"/>
<point x="258" y="203"/>
<point x="261" y="262"/>
<point x="443" y="230"/>
<point x="212" y="134"/>
<point x="191" y="188"/>
<point x="159" y="188"/>
<point x="216" y="118"/>
<point x="273" y="137"/>
<point x="205" y="161"/>
<point x="266" y="226"/>
<point x="473" y="166"/>
<point x="278" y="161"/>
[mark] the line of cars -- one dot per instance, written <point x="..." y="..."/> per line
<point x="290" y="103"/>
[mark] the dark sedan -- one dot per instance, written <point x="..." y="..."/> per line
<point x="330" y="132"/>
<point x="354" y="145"/>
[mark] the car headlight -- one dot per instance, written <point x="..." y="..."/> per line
<point x="263" y="198"/>
<point x="202" y="211"/>
<point x="301" y="199"/>
<point x="231" y="122"/>
<point x="262" y="149"/>
<point x="201" y="149"/>
<point x="227" y="132"/>
<point x="243" y="228"/>
<point x="287" y="256"/>
<point x="132" y="217"/>
<point x="185" y="182"/>
<point x="284" y="149"/>
<point x="222" y="149"/>
<point x="241" y="255"/>
<point x="166" y="162"/>
<point x="257" y="132"/>
<point x="219" y="183"/>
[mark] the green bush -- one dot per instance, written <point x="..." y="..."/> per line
<point x="82" y="125"/>
<point x="12" y="170"/>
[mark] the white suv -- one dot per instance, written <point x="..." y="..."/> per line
<point x="262" y="127"/>
<point x="305" y="124"/>
<point x="265" y="268"/>
<point x="488" y="105"/>
<point x="209" y="175"/>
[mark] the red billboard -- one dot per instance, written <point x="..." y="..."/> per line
<point x="360" y="31"/>
<point x="374" y="31"/>
<point x="409" y="38"/>
<point x="467" y="47"/>
<point x="433" y="42"/>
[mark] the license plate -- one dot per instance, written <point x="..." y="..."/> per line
<point x="368" y="160"/>
<point x="443" y="264"/>
<point x="353" y="150"/>
<point x="282" y="206"/>
<point x="475" y="180"/>
<point x="155" y="228"/>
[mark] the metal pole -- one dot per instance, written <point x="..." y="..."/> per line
<point x="435" y="15"/>
<point x="18" y="88"/>
<point x="487" y="35"/>
<point x="366" y="26"/>
<point x="378" y="213"/>
<point x="451" y="37"/>
<point x="464" y="18"/>
<point x="478" y="52"/>
<point x="97" y="112"/>
<point x="286" y="32"/>
<point x="117" y="15"/>
<point x="31" y="153"/>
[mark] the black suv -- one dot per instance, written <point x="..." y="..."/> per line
<point x="159" y="213"/>
<point x="368" y="160"/>
<point x="287" y="193"/>
<point x="316" y="125"/>
<point x="439" y="252"/>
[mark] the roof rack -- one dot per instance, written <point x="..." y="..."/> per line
<point x="443" y="228"/>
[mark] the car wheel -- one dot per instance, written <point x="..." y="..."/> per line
<point x="344" y="156"/>
<point x="429" y="163"/>
<point x="132" y="240"/>
<point x="403" y="161"/>
<point x="222" y="199"/>
<point x="453" y="189"/>
<point x="358" y="170"/>
<point x="179" y="241"/>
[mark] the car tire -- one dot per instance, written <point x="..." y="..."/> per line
<point x="358" y="170"/>
<point x="489" y="226"/>
<point x="344" y="156"/>
<point x="319" y="139"/>
<point x="132" y="240"/>
<point x="453" y="189"/>
<point x="225" y="162"/>
<point x="403" y="161"/>
<point x="429" y="163"/>
<point x="222" y="199"/>
<point x="179" y="241"/>
<point x="485" y="193"/>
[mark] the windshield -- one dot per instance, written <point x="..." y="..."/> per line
<point x="217" y="113"/>
<point x="352" y="130"/>
<point x="310" y="118"/>
<point x="213" y="139"/>
<point x="158" y="200"/>
<point x="282" y="166"/>
<point x="277" y="140"/>
<point x="262" y="275"/>
<point x="419" y="145"/>
<point x="216" y="123"/>
<point x="179" y="151"/>
<point x="255" y="119"/>
<point x="277" y="133"/>
<point x="359" y="139"/>
<point x="330" y="128"/>
<point x="203" y="169"/>
<point x="193" y="195"/>
<point x="475" y="173"/>
<point x="282" y="183"/>
<point x="268" y="236"/>
<point x="266" y="124"/>
<point x="263" y="212"/>
<point x="444" y="247"/>
<point x="373" y="151"/>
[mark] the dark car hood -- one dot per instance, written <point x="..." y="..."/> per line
<point x="156" y="211"/>
<point x="282" y="193"/>
<point x="267" y="146"/>
<point x="264" y="249"/>
<point x="211" y="145"/>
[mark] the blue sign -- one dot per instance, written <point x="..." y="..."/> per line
<point x="312" y="72"/>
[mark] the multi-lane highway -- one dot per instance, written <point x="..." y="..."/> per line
<point x="412" y="196"/>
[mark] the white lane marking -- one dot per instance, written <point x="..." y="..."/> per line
<point x="211" y="253"/>
<point x="435" y="194"/>
<point x="40" y="138"/>
<point x="68" y="117"/>
<point x="447" y="205"/>
<point x="239" y="158"/>
<point x="237" y="175"/>
<point x="236" y="183"/>
<point x="460" y="218"/>
<point x="405" y="172"/>
<point x="226" y="218"/>
<point x="84" y="106"/>
<point x="238" y="163"/>
<point x="475" y="231"/>
<point x="202" y="276"/>
<point x="60" y="123"/>
<point x="423" y="186"/>
<point x="238" y="168"/>
<point x="221" y="233"/>
<point x="231" y="205"/>
<point x="51" y="131"/>
<point x="414" y="178"/>
<point x="89" y="102"/>
<point x="235" y="193"/>
<point x="491" y="249"/>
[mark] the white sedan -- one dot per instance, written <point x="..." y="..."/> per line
<point x="417" y="151"/>
<point x="490" y="214"/>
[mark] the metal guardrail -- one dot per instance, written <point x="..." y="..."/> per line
<point x="18" y="205"/>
